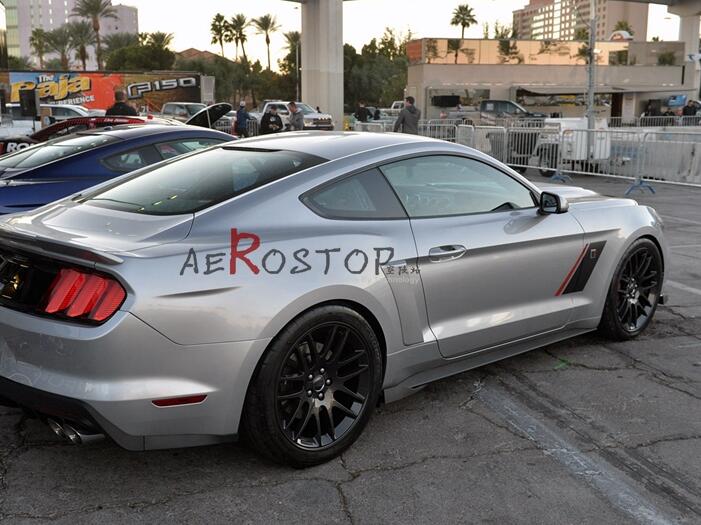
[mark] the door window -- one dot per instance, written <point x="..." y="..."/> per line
<point x="445" y="185"/>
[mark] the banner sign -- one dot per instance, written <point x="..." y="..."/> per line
<point x="95" y="90"/>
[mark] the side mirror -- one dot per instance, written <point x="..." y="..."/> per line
<point x="551" y="203"/>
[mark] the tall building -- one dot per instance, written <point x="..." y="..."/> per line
<point x="560" y="19"/>
<point x="25" y="15"/>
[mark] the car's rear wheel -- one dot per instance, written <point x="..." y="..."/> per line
<point x="634" y="292"/>
<point x="315" y="387"/>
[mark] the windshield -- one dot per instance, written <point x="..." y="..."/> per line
<point x="199" y="181"/>
<point x="194" y="108"/>
<point x="305" y="108"/>
<point x="53" y="150"/>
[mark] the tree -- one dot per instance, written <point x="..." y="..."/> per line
<point x="289" y="65"/>
<point x="60" y="41"/>
<point x="149" y="52"/>
<point x="219" y="30"/>
<point x="119" y="40"/>
<point x="20" y="63"/>
<point x="239" y="23"/>
<point x="94" y="10"/>
<point x="82" y="37"/>
<point x="624" y="25"/>
<point x="265" y="25"/>
<point x="37" y="41"/>
<point x="656" y="39"/>
<point x="159" y="39"/>
<point x="454" y="47"/>
<point x="485" y="30"/>
<point x="464" y="17"/>
<point x="581" y="34"/>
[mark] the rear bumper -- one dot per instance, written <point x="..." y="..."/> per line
<point x="105" y="379"/>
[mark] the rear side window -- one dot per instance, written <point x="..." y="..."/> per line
<point x="132" y="160"/>
<point x="363" y="196"/>
<point x="199" y="181"/>
<point x="171" y="149"/>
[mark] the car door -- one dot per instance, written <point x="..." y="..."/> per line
<point x="492" y="267"/>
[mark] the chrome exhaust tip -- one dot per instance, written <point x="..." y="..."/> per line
<point x="56" y="428"/>
<point x="79" y="438"/>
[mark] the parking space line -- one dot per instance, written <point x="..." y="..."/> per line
<point x="597" y="473"/>
<point x="683" y="287"/>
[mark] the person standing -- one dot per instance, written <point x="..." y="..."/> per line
<point x="242" y="118"/>
<point x="271" y="122"/>
<point x="689" y="110"/>
<point x="408" y="120"/>
<point x="296" y="117"/>
<point x="120" y="107"/>
<point x="362" y="114"/>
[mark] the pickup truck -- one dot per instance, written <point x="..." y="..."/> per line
<point x="312" y="119"/>
<point x="495" y="112"/>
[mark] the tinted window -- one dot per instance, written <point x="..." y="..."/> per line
<point x="200" y="181"/>
<point x="363" y="196"/>
<point x="60" y="111"/>
<point x="168" y="109"/>
<point x="54" y="150"/>
<point x="446" y="185"/>
<point x="174" y="148"/>
<point x="194" y="108"/>
<point x="132" y="160"/>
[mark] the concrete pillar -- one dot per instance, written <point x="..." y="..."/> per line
<point x="322" y="57"/>
<point x="689" y="11"/>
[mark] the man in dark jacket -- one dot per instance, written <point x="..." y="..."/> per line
<point x="242" y="118"/>
<point x="120" y="107"/>
<point x="271" y="122"/>
<point x="362" y="114"/>
<point x="408" y="120"/>
<point x="690" y="109"/>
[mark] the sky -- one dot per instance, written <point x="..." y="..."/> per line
<point x="363" y="19"/>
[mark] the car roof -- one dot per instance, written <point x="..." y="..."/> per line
<point x="329" y="145"/>
<point x="129" y="131"/>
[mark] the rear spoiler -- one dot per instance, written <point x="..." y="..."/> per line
<point x="24" y="241"/>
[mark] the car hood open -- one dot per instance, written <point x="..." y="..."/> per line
<point x="206" y="117"/>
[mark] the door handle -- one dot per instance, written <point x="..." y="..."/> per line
<point x="446" y="253"/>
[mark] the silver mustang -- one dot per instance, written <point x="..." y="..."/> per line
<point x="283" y="286"/>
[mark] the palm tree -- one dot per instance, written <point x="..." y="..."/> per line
<point x="454" y="47"/>
<point x="160" y="39"/>
<point x="265" y="25"/>
<point x="239" y="23"/>
<point x="94" y="10"/>
<point x="624" y="25"/>
<point x="464" y="17"/>
<point x="37" y="41"/>
<point x="219" y="29"/>
<point x="60" y="41"/>
<point x="21" y="63"/>
<point x="82" y="37"/>
<point x="117" y="41"/>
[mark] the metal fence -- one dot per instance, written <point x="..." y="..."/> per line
<point x="654" y="122"/>
<point x="641" y="155"/>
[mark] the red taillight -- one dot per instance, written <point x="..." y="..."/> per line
<point x="81" y="295"/>
<point x="179" y="401"/>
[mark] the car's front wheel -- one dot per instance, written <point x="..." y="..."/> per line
<point x="315" y="387"/>
<point x="634" y="292"/>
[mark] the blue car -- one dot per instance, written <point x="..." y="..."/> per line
<point x="50" y="171"/>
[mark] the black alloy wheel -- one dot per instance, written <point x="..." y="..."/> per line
<point x="323" y="386"/>
<point x="635" y="291"/>
<point x="315" y="387"/>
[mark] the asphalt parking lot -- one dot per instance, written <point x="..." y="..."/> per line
<point x="584" y="431"/>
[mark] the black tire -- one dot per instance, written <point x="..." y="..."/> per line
<point x="333" y="352"/>
<point x="634" y="292"/>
